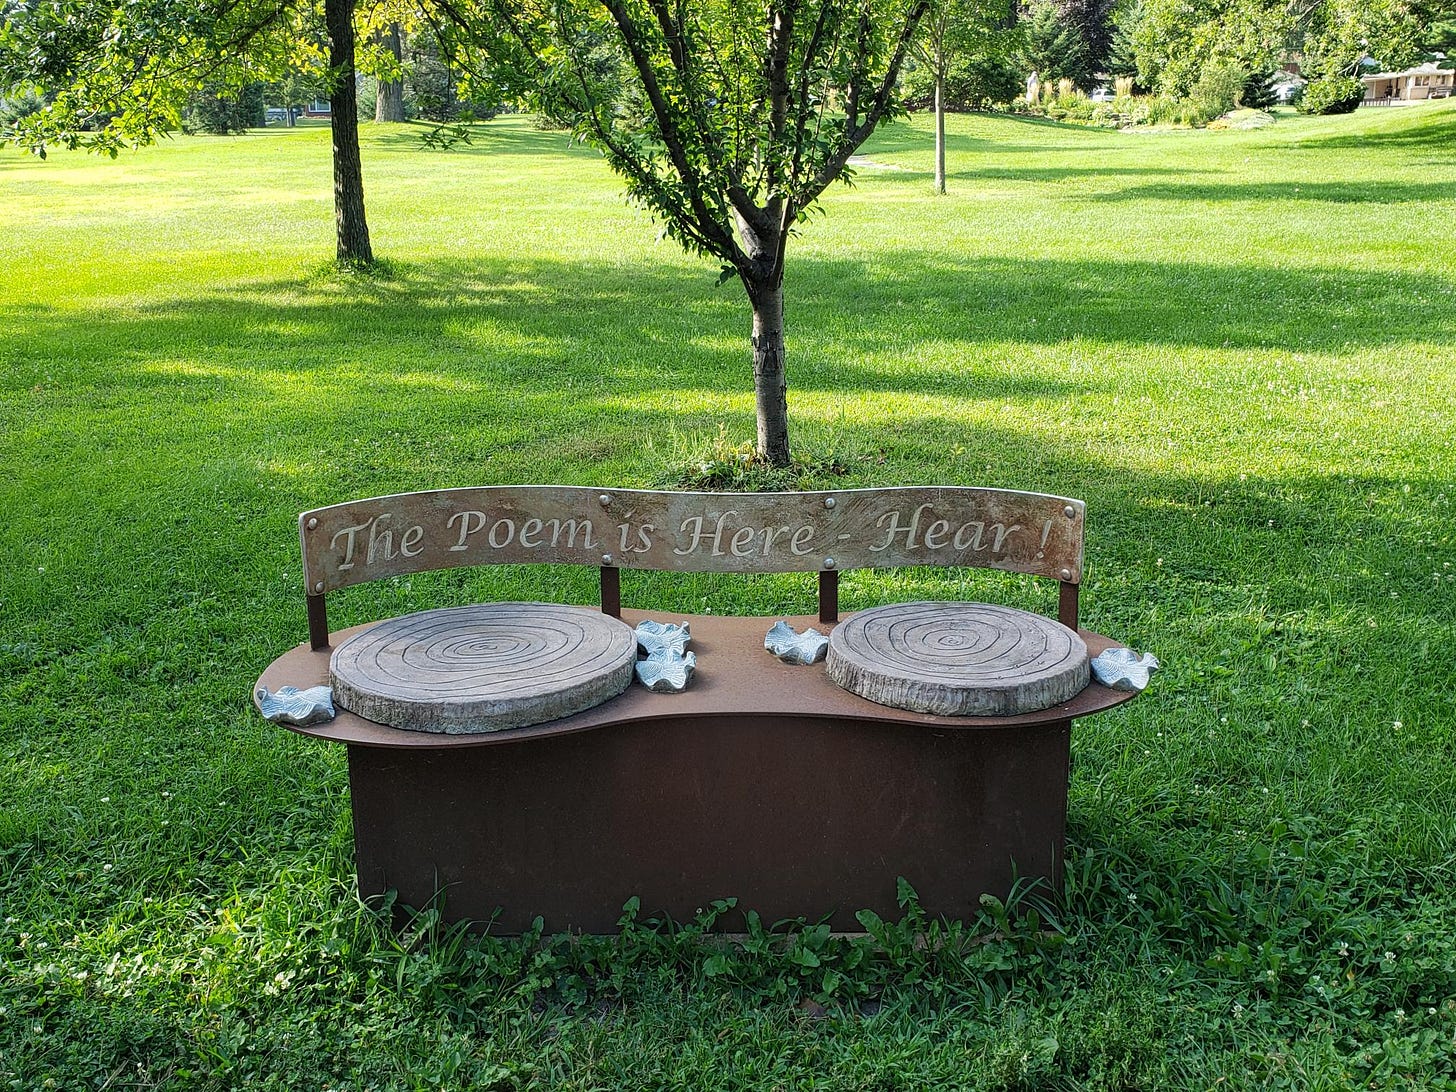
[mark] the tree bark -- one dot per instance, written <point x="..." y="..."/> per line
<point x="351" y="228"/>
<point x="770" y="383"/>
<point x="940" y="130"/>
<point x="389" y="102"/>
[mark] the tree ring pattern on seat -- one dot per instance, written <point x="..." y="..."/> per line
<point x="483" y="668"/>
<point x="958" y="659"/>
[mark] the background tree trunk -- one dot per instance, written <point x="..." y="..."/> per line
<point x="770" y="384"/>
<point x="389" y="102"/>
<point x="940" y="131"/>
<point x="352" y="229"/>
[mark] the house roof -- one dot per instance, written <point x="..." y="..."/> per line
<point x="1427" y="69"/>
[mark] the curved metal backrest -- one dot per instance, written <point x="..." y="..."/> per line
<point x="616" y="529"/>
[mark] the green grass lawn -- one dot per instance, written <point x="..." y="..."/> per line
<point x="1237" y="347"/>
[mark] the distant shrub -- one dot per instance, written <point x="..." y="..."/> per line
<point x="1332" y="95"/>
<point x="21" y="105"/>
<point x="973" y="83"/>
<point x="1258" y="91"/>
<point x="221" y="111"/>
<point x="1217" y="90"/>
<point x="984" y="82"/>
<point x="1169" y="111"/>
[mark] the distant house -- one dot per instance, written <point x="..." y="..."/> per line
<point x="318" y="108"/>
<point x="1412" y="85"/>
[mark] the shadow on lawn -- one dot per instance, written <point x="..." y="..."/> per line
<point x="667" y="327"/>
<point x="1435" y="132"/>
<point x="485" y="138"/>
<point x="1339" y="193"/>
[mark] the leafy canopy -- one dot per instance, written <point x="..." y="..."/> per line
<point x="728" y="119"/>
<point x="115" y="73"/>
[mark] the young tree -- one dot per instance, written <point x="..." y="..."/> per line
<point x="728" y="121"/>
<point x="951" y="31"/>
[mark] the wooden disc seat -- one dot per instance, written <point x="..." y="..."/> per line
<point x="484" y="667"/>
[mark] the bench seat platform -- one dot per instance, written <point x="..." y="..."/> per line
<point x="762" y="781"/>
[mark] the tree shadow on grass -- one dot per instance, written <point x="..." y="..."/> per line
<point x="902" y="139"/>
<point x="510" y="137"/>
<point x="1435" y="132"/>
<point x="1339" y="193"/>
<point x="667" y="327"/>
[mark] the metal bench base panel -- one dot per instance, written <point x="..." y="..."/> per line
<point x="793" y="816"/>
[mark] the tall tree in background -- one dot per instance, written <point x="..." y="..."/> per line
<point x="1092" y="22"/>
<point x="389" y="98"/>
<point x="352" y="246"/>
<point x="1051" y="48"/>
<point x="1176" y="40"/>
<point x="117" y="73"/>
<point x="952" y="30"/>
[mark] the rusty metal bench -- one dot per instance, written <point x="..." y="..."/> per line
<point x="762" y="781"/>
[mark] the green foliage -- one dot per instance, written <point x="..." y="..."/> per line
<point x="733" y="106"/>
<point x="219" y="112"/>
<point x="971" y="46"/>
<point x="1093" y="21"/>
<point x="1258" y="91"/>
<point x="304" y="81"/>
<point x="1122" y="58"/>
<point x="21" y="105"/>
<point x="118" y="74"/>
<point x="721" y="464"/>
<point x="1052" y="49"/>
<point x="1337" y="35"/>
<point x="1217" y="90"/>
<point x="1173" y="41"/>
<point x="1332" y="95"/>
<point x="433" y="90"/>
<point x="972" y="83"/>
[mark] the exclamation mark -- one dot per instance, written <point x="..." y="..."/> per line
<point x="1046" y="530"/>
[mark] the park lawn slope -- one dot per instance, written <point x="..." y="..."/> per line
<point x="1236" y="347"/>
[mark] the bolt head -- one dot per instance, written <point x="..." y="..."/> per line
<point x="605" y="500"/>
<point x="828" y="502"/>
<point x="319" y="586"/>
<point x="829" y="562"/>
<point x="606" y="559"/>
<point x="312" y="523"/>
<point x="1066" y="574"/>
<point x="1069" y="512"/>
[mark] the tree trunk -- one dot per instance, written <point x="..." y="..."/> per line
<point x="352" y="229"/>
<point x="770" y="385"/>
<point x="389" y="102"/>
<point x="940" y="132"/>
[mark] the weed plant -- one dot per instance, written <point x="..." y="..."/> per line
<point x="1235" y="346"/>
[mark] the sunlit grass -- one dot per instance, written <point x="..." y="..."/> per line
<point x="1236" y="347"/>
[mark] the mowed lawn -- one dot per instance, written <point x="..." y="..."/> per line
<point x="1238" y="347"/>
